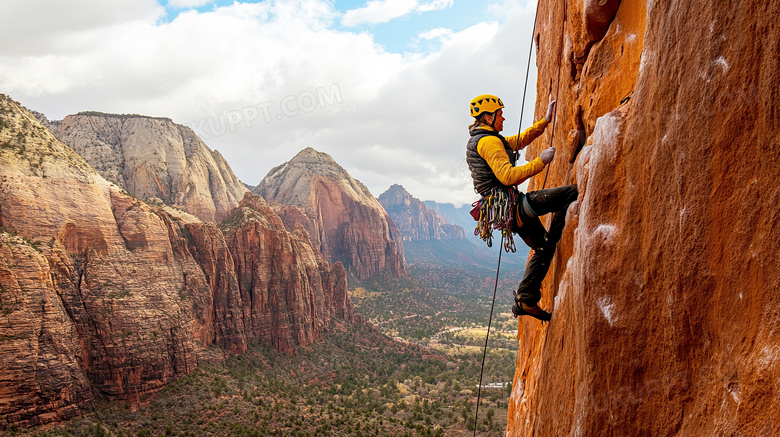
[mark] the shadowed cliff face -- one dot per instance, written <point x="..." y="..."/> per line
<point x="104" y="296"/>
<point x="344" y="221"/>
<point x="154" y="157"/>
<point x="665" y="287"/>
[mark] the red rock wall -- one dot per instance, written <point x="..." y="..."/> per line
<point x="289" y="294"/>
<point x="104" y="296"/>
<point x="665" y="285"/>
<point x="40" y="352"/>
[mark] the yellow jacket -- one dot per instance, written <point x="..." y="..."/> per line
<point x="491" y="149"/>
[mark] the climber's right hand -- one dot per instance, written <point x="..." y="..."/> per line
<point x="550" y="111"/>
<point x="547" y="155"/>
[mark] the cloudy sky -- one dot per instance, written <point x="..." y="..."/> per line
<point x="382" y="86"/>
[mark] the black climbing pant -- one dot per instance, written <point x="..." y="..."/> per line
<point x="543" y="242"/>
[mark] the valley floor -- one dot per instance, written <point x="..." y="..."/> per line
<point x="412" y="370"/>
<point x="356" y="382"/>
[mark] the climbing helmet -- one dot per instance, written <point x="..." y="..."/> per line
<point x="484" y="104"/>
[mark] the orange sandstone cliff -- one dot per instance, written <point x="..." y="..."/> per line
<point x="665" y="289"/>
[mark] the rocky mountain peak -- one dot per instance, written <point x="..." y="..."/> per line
<point x="395" y="195"/>
<point x="310" y="162"/>
<point x="343" y="218"/>
<point x="31" y="149"/>
<point x="317" y="161"/>
<point x="293" y="179"/>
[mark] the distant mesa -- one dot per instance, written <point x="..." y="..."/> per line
<point x="154" y="157"/>
<point x="433" y="241"/>
<point x="122" y="116"/>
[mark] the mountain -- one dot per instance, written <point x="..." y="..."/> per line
<point x="153" y="157"/>
<point x="414" y="219"/>
<point x="343" y="219"/>
<point x="104" y="296"/>
<point x="665" y="288"/>
<point x="454" y="215"/>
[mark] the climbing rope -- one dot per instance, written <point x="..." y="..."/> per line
<point x="505" y="231"/>
<point x="487" y="337"/>
<point x="486" y="233"/>
<point x="557" y="88"/>
<point x="527" y="70"/>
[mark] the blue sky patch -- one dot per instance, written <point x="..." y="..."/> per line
<point x="399" y="35"/>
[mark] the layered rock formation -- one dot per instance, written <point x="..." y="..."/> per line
<point x="153" y="157"/>
<point x="414" y="219"/>
<point x="665" y="287"/>
<point x="289" y="293"/>
<point x="342" y="218"/>
<point x="105" y="296"/>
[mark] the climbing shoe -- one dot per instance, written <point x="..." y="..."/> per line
<point x="523" y="309"/>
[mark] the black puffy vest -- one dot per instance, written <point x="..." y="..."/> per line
<point x="481" y="173"/>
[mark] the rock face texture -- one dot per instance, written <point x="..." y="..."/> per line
<point x="288" y="292"/>
<point x="414" y="219"/>
<point x="154" y="157"/>
<point x="105" y="296"/>
<point x="665" y="288"/>
<point x="344" y="221"/>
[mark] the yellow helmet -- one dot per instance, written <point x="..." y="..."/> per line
<point x="485" y="103"/>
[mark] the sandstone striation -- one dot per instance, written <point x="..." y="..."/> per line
<point x="414" y="219"/>
<point x="289" y="293"/>
<point x="154" y="157"/>
<point x="664" y="288"/>
<point x="103" y="296"/>
<point x="344" y="221"/>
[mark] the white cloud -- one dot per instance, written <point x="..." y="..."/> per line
<point x="382" y="11"/>
<point x="378" y="11"/>
<point x="434" y="5"/>
<point x="438" y="33"/>
<point x="398" y="119"/>
<point x="187" y="4"/>
<point x="34" y="27"/>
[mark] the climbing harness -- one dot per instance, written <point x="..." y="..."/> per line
<point x="496" y="210"/>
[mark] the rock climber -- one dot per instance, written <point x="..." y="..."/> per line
<point x="491" y="159"/>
